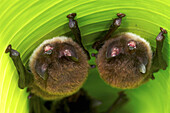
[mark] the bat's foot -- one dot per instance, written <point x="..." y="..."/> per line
<point x="8" y="49"/>
<point x="121" y="15"/>
<point x="163" y="30"/>
<point x="117" y="21"/>
<point x="72" y="22"/>
<point x="160" y="36"/>
<point x="71" y="16"/>
<point x="13" y="53"/>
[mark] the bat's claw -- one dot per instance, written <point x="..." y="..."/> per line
<point x="163" y="30"/>
<point x="160" y="36"/>
<point x="121" y="15"/>
<point x="8" y="49"/>
<point x="71" y="16"/>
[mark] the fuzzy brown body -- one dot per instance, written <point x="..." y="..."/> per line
<point x="64" y="77"/>
<point x="123" y="71"/>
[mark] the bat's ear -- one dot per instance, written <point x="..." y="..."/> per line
<point x="69" y="52"/>
<point x="142" y="68"/>
<point x="41" y="69"/>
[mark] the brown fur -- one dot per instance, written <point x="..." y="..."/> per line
<point x="65" y="77"/>
<point x="123" y="71"/>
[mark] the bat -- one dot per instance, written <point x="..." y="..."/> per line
<point x="126" y="60"/>
<point x="58" y="68"/>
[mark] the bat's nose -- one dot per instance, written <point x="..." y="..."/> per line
<point x="61" y="54"/>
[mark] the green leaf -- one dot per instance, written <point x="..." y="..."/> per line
<point x="25" y="24"/>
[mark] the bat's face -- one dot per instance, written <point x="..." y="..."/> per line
<point x="124" y="61"/>
<point x="59" y="66"/>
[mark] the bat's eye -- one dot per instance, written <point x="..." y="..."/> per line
<point x="48" y="49"/>
<point x="132" y="45"/>
<point x="114" y="52"/>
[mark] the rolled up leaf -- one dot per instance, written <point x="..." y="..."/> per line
<point x="25" y="24"/>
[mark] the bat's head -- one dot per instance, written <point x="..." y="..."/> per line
<point x="124" y="61"/>
<point x="61" y="52"/>
<point x="61" y="64"/>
